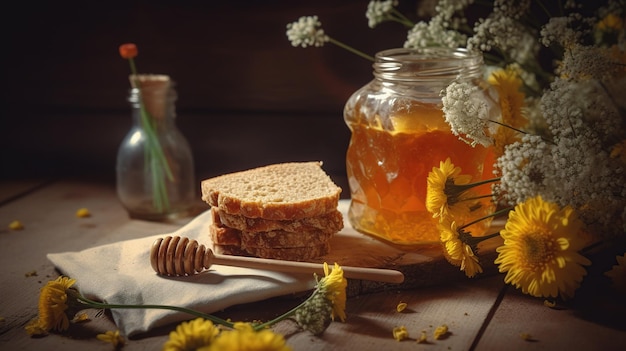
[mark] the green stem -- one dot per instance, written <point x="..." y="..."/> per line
<point x="475" y="240"/>
<point x="351" y="49"/>
<point x="401" y="18"/>
<point x="495" y="214"/>
<point x="463" y="187"/>
<point x="477" y="197"/>
<point x="212" y="318"/>
<point x="156" y="160"/>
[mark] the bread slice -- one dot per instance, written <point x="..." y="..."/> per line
<point x="284" y="191"/>
<point x="221" y="235"/>
<point x="279" y="239"/>
<point x="224" y="235"/>
<point x="330" y="222"/>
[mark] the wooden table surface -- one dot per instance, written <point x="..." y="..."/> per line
<point x="482" y="314"/>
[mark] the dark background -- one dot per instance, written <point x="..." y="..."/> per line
<point x="246" y="96"/>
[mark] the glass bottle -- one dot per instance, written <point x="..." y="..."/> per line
<point x="399" y="134"/>
<point x="155" y="170"/>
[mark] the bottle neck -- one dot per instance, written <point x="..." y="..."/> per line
<point x="158" y="101"/>
<point x="429" y="70"/>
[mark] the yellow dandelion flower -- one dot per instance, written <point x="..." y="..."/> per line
<point x="540" y="250"/>
<point x="112" y="337"/>
<point x="191" y="335"/>
<point x="16" y="225"/>
<point x="618" y="274"/>
<point x="456" y="251"/>
<point x="400" y="333"/>
<point x="83" y="213"/>
<point x="334" y="285"/>
<point x="401" y="306"/>
<point x="445" y="190"/>
<point x="54" y="307"/>
<point x="243" y="337"/>
<point x="441" y="332"/>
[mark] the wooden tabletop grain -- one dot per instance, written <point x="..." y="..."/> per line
<point x="482" y="313"/>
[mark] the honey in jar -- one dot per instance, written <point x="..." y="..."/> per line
<point x="399" y="134"/>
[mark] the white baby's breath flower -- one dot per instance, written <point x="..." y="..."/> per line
<point x="514" y="40"/>
<point x="558" y="31"/>
<point x="433" y="34"/>
<point x="379" y="11"/>
<point x="468" y="112"/>
<point x="521" y="169"/>
<point x="588" y="62"/>
<point x="306" y="32"/>
<point x="447" y="9"/>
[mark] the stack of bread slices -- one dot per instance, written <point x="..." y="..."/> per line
<point x="282" y="211"/>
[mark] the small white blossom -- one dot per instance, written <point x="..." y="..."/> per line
<point x="306" y="32"/>
<point x="558" y="30"/>
<point x="468" y="112"/>
<point x="379" y="11"/>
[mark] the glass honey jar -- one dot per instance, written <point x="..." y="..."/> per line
<point x="398" y="134"/>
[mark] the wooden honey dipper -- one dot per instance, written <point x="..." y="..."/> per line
<point x="179" y="256"/>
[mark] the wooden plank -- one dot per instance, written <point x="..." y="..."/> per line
<point x="10" y="190"/>
<point x="548" y="328"/>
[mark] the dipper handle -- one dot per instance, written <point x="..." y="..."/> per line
<point x="180" y="256"/>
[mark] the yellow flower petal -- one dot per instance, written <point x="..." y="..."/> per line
<point x="16" y="225"/>
<point x="112" y="337"/>
<point x="83" y="213"/>
<point x="401" y="306"/>
<point x="243" y="337"/>
<point x="191" y="335"/>
<point x="400" y="333"/>
<point x="441" y="332"/>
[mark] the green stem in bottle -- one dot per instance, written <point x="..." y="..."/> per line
<point x="156" y="163"/>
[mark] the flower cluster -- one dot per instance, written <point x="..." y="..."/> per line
<point x="552" y="108"/>
<point x="59" y="302"/>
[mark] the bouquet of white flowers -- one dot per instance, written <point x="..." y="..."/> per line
<point x="557" y="71"/>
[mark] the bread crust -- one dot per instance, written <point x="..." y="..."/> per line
<point x="284" y="191"/>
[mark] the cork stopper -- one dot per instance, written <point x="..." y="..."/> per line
<point x="154" y="89"/>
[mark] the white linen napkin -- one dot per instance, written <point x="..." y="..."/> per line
<point x="120" y="273"/>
